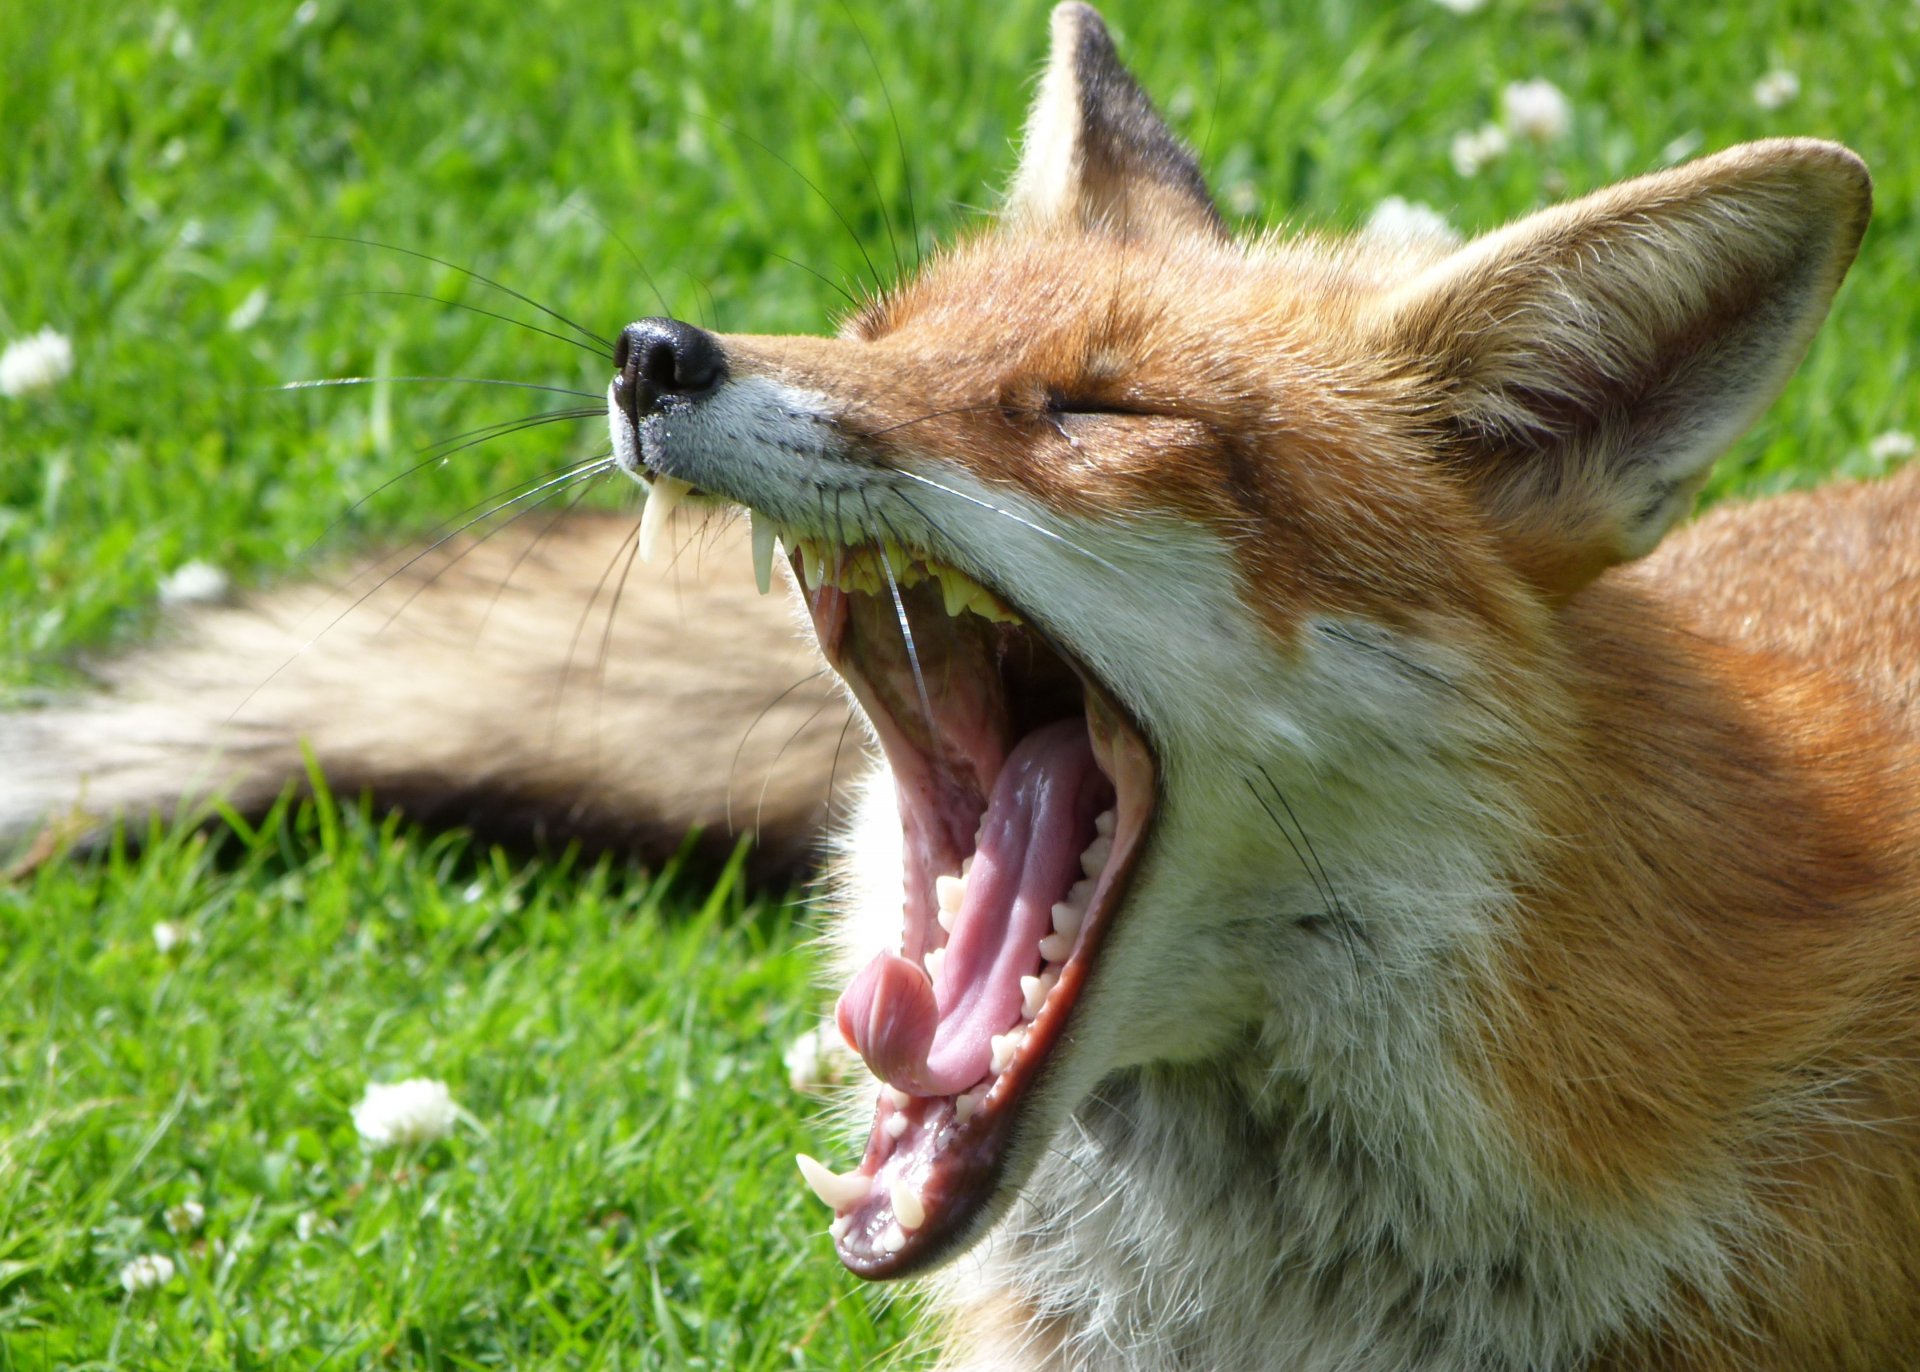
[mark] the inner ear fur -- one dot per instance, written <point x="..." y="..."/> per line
<point x="1096" y="154"/>
<point x="1584" y="367"/>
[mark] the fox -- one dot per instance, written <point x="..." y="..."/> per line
<point x="1349" y="877"/>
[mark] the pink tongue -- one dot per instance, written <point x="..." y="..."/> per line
<point x="934" y="1041"/>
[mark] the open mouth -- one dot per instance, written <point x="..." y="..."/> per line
<point x="1025" y="793"/>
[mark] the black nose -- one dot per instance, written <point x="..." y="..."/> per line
<point x="658" y="358"/>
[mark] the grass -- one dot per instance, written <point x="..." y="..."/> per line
<point x="173" y="195"/>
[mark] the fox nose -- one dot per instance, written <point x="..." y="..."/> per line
<point x="658" y="358"/>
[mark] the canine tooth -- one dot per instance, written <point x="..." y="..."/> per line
<point x="950" y="892"/>
<point x="1094" y="860"/>
<point x="1067" y="918"/>
<point x="935" y="957"/>
<point x="663" y="497"/>
<point x="1033" y="994"/>
<point x="907" y="1205"/>
<point x="964" y="1106"/>
<point x="893" y="1240"/>
<point x="763" y="541"/>
<point x="896" y="1125"/>
<point x="837" y="1191"/>
<point x="1056" y="947"/>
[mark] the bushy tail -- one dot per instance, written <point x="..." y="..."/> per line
<point x="538" y="685"/>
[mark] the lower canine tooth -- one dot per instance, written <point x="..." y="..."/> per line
<point x="907" y="1206"/>
<point x="837" y="1191"/>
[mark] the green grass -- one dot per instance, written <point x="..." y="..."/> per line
<point x="623" y="1195"/>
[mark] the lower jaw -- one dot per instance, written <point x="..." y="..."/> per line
<point x="938" y="1169"/>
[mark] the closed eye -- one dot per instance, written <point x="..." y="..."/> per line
<point x="1061" y="406"/>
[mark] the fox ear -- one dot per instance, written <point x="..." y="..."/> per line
<point x="1586" y="365"/>
<point x="1096" y="153"/>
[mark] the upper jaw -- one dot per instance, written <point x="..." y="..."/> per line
<point x="986" y="723"/>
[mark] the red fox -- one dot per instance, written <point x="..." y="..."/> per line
<point x="1335" y="896"/>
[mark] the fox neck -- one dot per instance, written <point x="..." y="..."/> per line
<point x="1388" y="913"/>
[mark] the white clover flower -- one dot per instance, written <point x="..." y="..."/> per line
<point x="818" y="1059"/>
<point x="1775" y="89"/>
<point x="146" y="1272"/>
<point x="1895" y="445"/>
<point x="168" y="936"/>
<point x="186" y="1217"/>
<point x="1536" y="109"/>
<point x="419" y="1110"/>
<point x="1461" y="6"/>
<point x="247" y="313"/>
<point x="1398" y="220"/>
<point x="1475" y="148"/>
<point x="35" y="363"/>
<point x="194" y="583"/>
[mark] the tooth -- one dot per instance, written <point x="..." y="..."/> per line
<point x="1067" y="919"/>
<point x="1103" y="822"/>
<point x="840" y="1226"/>
<point x="934" y="959"/>
<point x="907" y="1205"/>
<point x="1033" y="994"/>
<point x="954" y="593"/>
<point x="763" y="539"/>
<point x="1080" y="894"/>
<point x="896" y="1125"/>
<point x="901" y="1100"/>
<point x="1094" y="861"/>
<point x="966" y="864"/>
<point x="837" y="1191"/>
<point x="663" y="497"/>
<point x="946" y="918"/>
<point x="950" y="892"/>
<point x="1005" y="1048"/>
<point x="1056" y="947"/>
<point x="893" y="1240"/>
<point x="964" y="1106"/>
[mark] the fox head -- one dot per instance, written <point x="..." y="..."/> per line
<point x="1206" y="597"/>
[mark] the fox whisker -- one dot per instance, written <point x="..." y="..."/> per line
<point x="467" y="272"/>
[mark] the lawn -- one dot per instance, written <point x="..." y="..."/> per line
<point x="176" y="194"/>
